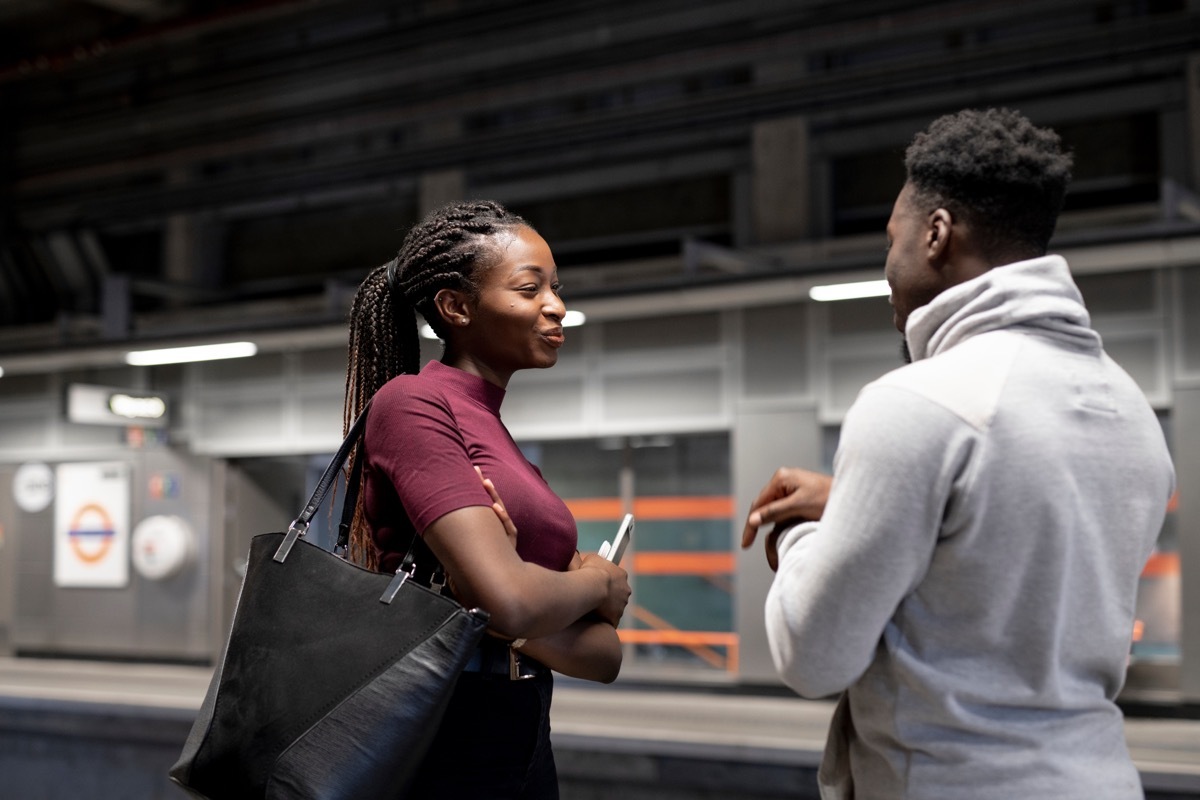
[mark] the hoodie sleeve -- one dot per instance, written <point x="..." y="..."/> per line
<point x="841" y="579"/>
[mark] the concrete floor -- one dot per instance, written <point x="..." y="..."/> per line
<point x="116" y="728"/>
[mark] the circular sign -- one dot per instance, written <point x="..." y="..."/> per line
<point x="33" y="487"/>
<point x="91" y="533"/>
<point x="162" y="546"/>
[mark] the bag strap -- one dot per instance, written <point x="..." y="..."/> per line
<point x="349" y="505"/>
<point x="299" y="526"/>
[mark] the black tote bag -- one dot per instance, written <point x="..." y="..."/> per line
<point x="334" y="678"/>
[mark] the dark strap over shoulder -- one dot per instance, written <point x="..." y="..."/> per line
<point x="300" y="525"/>
<point x="349" y="505"/>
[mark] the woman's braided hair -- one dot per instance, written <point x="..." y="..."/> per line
<point x="449" y="249"/>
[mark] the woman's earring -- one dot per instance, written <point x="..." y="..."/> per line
<point x="462" y="320"/>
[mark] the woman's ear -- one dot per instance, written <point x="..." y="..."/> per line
<point x="453" y="306"/>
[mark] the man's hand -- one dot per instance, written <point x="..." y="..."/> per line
<point x="792" y="495"/>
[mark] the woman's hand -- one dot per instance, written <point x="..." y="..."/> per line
<point x="617" y="592"/>
<point x="510" y="528"/>
<point x="618" y="589"/>
<point x="589" y="649"/>
<point x="525" y="600"/>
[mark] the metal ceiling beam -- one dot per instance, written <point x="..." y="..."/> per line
<point x="146" y="10"/>
<point x="689" y="294"/>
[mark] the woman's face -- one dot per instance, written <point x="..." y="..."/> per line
<point x="516" y="321"/>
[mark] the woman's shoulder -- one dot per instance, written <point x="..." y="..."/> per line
<point x="409" y="404"/>
<point x="409" y="392"/>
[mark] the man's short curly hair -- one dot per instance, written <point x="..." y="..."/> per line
<point x="1006" y="177"/>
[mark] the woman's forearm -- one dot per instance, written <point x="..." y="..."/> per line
<point x="524" y="600"/>
<point x="588" y="649"/>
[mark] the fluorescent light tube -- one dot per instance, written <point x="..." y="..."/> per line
<point x="849" y="291"/>
<point x="184" y="355"/>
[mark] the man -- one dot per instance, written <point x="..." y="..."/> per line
<point x="968" y="575"/>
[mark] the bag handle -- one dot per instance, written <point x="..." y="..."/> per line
<point x="299" y="526"/>
<point x="349" y="506"/>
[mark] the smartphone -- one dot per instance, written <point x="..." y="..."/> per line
<point x="614" y="551"/>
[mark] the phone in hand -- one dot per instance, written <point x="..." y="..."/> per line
<point x="616" y="549"/>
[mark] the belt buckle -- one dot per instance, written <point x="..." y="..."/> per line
<point x="514" y="666"/>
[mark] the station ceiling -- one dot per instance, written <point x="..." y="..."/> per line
<point x="177" y="166"/>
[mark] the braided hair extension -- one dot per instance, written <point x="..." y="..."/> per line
<point x="449" y="249"/>
<point x="993" y="167"/>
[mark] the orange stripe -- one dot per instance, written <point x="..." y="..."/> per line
<point x="718" y="507"/>
<point x="595" y="509"/>
<point x="1173" y="503"/>
<point x="605" y="509"/>
<point x="676" y="637"/>
<point x="1161" y="565"/>
<point x="702" y="563"/>
<point x="661" y="627"/>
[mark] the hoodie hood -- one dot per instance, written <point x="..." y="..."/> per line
<point x="1038" y="294"/>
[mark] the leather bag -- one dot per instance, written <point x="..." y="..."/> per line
<point x="334" y="679"/>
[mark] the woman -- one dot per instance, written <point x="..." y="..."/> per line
<point x="485" y="281"/>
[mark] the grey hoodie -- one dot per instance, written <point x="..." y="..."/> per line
<point x="971" y="584"/>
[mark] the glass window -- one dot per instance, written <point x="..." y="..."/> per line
<point x="681" y="560"/>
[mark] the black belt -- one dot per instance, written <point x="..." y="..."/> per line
<point x="495" y="657"/>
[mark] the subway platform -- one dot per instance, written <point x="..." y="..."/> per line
<point x="109" y="731"/>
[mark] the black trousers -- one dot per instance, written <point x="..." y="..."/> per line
<point x="493" y="744"/>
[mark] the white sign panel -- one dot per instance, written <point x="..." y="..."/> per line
<point x="33" y="487"/>
<point x="162" y="546"/>
<point x="107" y="405"/>
<point x="91" y="525"/>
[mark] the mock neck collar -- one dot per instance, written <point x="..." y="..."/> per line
<point x="483" y="392"/>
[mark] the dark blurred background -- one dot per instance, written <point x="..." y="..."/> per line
<point x="175" y="167"/>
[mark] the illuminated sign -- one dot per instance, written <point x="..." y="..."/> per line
<point x="137" y="406"/>
<point x="107" y="405"/>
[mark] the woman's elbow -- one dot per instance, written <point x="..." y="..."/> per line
<point x="510" y="616"/>
<point x="598" y="668"/>
<point x="607" y="669"/>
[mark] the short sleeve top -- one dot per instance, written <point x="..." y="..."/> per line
<point x="424" y="436"/>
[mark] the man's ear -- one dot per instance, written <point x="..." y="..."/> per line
<point x="453" y="305"/>
<point x="941" y="223"/>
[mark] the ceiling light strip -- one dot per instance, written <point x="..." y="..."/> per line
<point x="849" y="291"/>
<point x="185" y="355"/>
